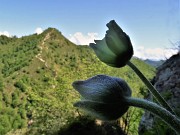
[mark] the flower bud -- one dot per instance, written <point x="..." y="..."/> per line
<point x="115" y="49"/>
<point x="103" y="96"/>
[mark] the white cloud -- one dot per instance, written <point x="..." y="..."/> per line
<point x="140" y="52"/>
<point x="80" y="39"/>
<point x="153" y="53"/>
<point x="38" y="30"/>
<point x="5" y="33"/>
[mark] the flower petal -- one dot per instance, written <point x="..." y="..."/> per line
<point x="118" y="41"/>
<point x="126" y="90"/>
<point x="101" y="88"/>
<point x="103" y="111"/>
<point x="103" y="52"/>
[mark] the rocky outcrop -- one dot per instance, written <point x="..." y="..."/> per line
<point x="167" y="82"/>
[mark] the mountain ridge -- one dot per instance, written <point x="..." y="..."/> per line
<point x="155" y="63"/>
<point x="36" y="76"/>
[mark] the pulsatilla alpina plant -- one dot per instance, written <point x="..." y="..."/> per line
<point x="115" y="49"/>
<point x="103" y="96"/>
<point x="108" y="98"/>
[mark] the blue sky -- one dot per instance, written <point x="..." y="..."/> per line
<point x="151" y="24"/>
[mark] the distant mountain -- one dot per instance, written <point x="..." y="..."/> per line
<point x="154" y="63"/>
<point x="36" y="73"/>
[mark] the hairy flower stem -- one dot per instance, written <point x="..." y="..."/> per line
<point x="157" y="110"/>
<point x="151" y="88"/>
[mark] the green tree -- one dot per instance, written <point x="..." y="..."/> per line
<point x="6" y="99"/>
<point x="5" y="125"/>
<point x="1" y="83"/>
<point x="20" y="85"/>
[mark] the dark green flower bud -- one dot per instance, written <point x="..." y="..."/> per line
<point x="103" y="96"/>
<point x="115" y="49"/>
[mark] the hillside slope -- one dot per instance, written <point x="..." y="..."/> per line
<point x="36" y="76"/>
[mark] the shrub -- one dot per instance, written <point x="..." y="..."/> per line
<point x="20" y="85"/>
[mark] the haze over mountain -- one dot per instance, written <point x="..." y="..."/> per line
<point x="35" y="82"/>
<point x="154" y="63"/>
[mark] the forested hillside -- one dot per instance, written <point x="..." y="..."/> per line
<point x="36" y="73"/>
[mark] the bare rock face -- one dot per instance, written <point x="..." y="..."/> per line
<point x="167" y="82"/>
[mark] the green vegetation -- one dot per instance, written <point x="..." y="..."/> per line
<point x="37" y="71"/>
